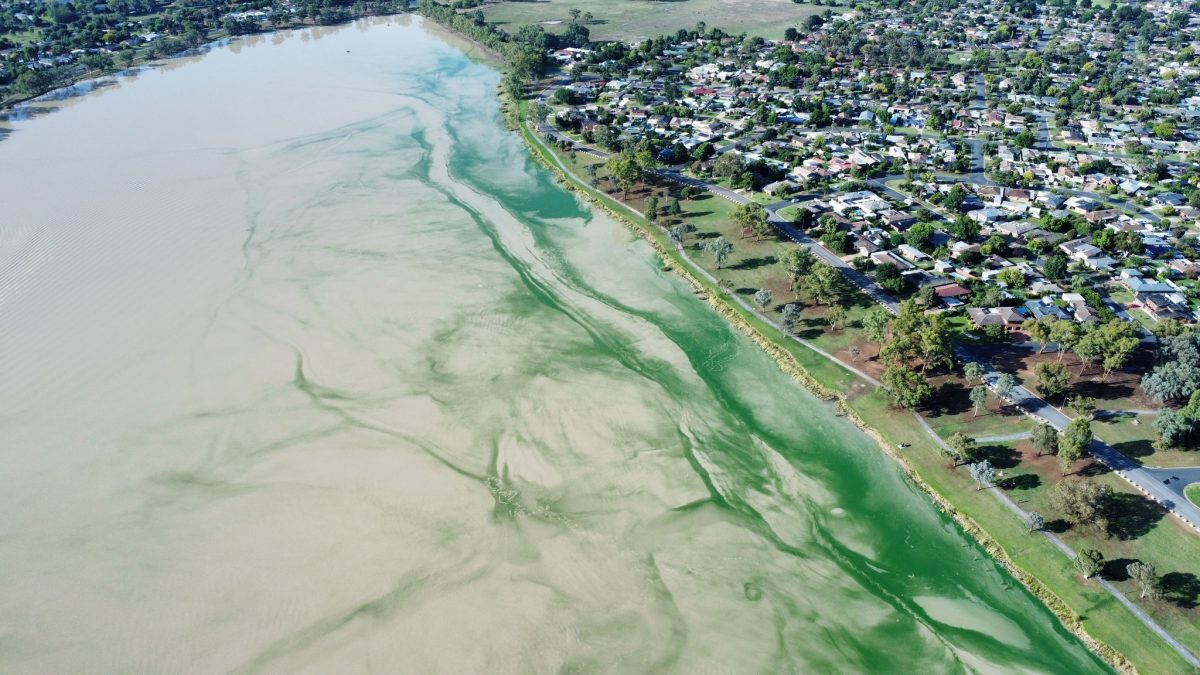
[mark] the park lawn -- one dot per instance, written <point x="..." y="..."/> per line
<point x="1137" y="441"/>
<point x="1101" y="615"/>
<point x="789" y="213"/>
<point x="1192" y="492"/>
<point x="634" y="19"/>
<point x="951" y="412"/>
<point x="1142" y="531"/>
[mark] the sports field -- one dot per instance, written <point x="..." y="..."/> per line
<point x="631" y="19"/>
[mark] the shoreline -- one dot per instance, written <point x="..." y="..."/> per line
<point x="797" y="371"/>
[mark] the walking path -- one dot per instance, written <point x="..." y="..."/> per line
<point x="1021" y="397"/>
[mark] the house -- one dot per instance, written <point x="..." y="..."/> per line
<point x="1046" y="308"/>
<point x="1168" y="199"/>
<point x="1006" y="317"/>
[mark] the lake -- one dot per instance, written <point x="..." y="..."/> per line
<point x="309" y="368"/>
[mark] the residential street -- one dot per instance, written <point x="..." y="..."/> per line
<point x="1149" y="481"/>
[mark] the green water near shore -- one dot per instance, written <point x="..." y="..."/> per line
<point x="310" y="368"/>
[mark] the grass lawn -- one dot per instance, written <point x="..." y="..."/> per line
<point x="1139" y="530"/>
<point x="1192" y="492"/>
<point x="631" y="19"/>
<point x="1134" y="436"/>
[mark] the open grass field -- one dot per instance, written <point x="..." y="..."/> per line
<point x="1192" y="492"/>
<point x="633" y="19"/>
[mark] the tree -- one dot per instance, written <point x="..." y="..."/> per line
<point x="1065" y="334"/>
<point x="798" y="261"/>
<point x="979" y="395"/>
<point x="1012" y="277"/>
<point x="1084" y="406"/>
<point x="752" y="217"/>
<point x="824" y="284"/>
<point x="651" y="208"/>
<point x="791" y="314"/>
<point x="934" y="342"/>
<point x="1005" y="383"/>
<point x="1147" y="582"/>
<point x="720" y="248"/>
<point x="1177" y="374"/>
<point x="677" y="233"/>
<point x="624" y="171"/>
<point x="539" y="112"/>
<point x="984" y="474"/>
<point x="963" y="448"/>
<point x="1112" y="343"/>
<point x="1055" y="267"/>
<point x="973" y="370"/>
<point x="1076" y="443"/>
<point x="728" y="164"/>
<point x="1039" y="330"/>
<point x="1045" y="440"/>
<point x="908" y="388"/>
<point x="763" y="297"/>
<point x="875" y="324"/>
<point x="1081" y="502"/>
<point x="837" y="317"/>
<point x="1175" y="429"/>
<point x="1053" y="379"/>
<point x="561" y="96"/>
<point x="1089" y="562"/>
<point x="1034" y="521"/>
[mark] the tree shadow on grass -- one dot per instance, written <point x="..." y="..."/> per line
<point x="754" y="263"/>
<point x="706" y="235"/>
<point x="1135" y="449"/>
<point x="1181" y="588"/>
<point x="1057" y="526"/>
<point x="1025" y="481"/>
<point x="1115" y="570"/>
<point x="1001" y="456"/>
<point x="1131" y="516"/>
<point x="1093" y="468"/>
<point x="951" y="399"/>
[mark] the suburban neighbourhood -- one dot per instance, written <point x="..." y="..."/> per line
<point x="991" y="213"/>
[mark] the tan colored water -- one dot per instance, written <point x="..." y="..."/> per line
<point x="306" y="368"/>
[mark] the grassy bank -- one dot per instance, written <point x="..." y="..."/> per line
<point x="1083" y="606"/>
<point x="632" y="19"/>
